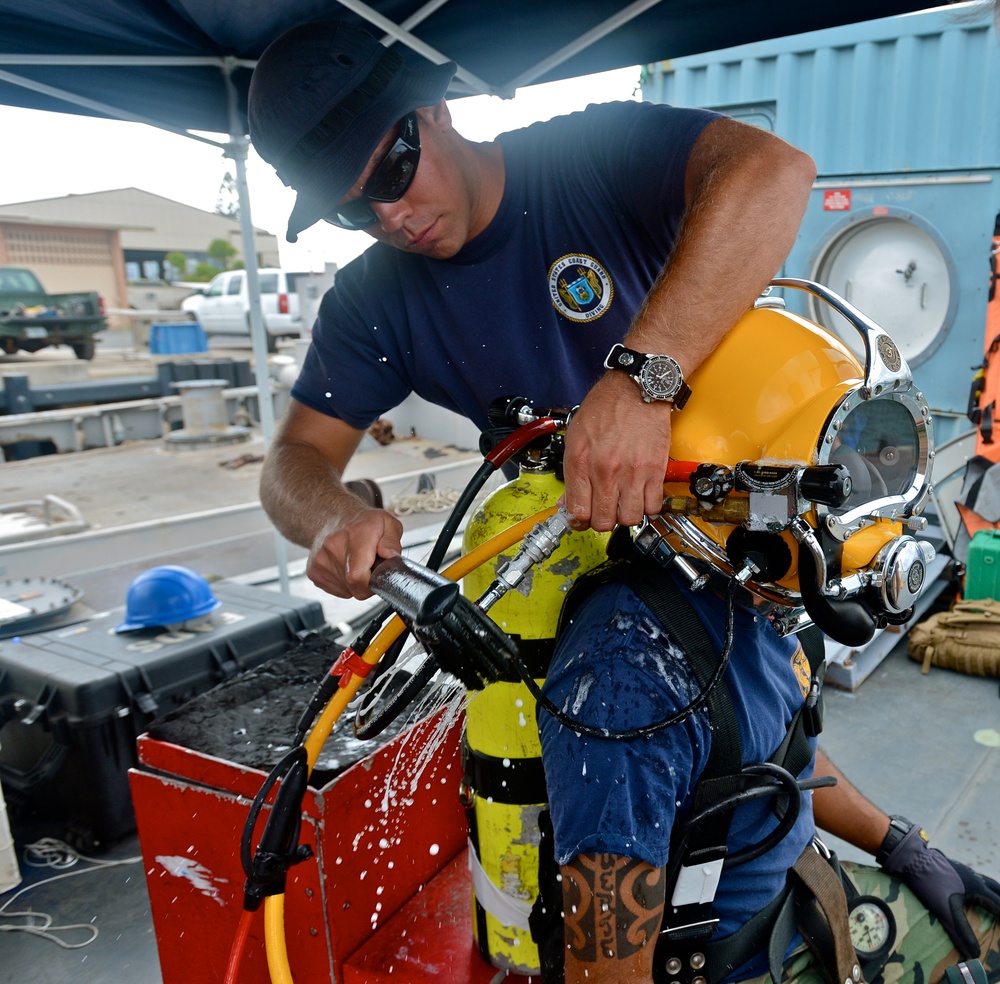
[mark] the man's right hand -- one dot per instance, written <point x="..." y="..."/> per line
<point x="344" y="553"/>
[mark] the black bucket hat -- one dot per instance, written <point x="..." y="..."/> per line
<point x="322" y="97"/>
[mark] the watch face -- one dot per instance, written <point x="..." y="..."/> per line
<point x="872" y="926"/>
<point x="660" y="377"/>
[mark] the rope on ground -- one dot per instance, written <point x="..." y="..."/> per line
<point x="423" y="500"/>
<point x="51" y="853"/>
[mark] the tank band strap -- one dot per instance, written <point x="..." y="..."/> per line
<point x="506" y="909"/>
<point x="504" y="780"/>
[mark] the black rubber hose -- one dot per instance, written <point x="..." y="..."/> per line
<point x="642" y="731"/>
<point x="848" y="622"/>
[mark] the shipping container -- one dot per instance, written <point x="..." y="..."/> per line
<point x="902" y="117"/>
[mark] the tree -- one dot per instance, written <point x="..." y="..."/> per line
<point x="177" y="263"/>
<point x="227" y="202"/>
<point x="221" y="251"/>
<point x="203" y="272"/>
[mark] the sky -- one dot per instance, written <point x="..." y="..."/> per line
<point x="110" y="154"/>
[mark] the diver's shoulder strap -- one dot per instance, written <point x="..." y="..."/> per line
<point x="795" y="751"/>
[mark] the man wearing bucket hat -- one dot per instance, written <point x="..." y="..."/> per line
<point x="480" y="284"/>
<point x="513" y="267"/>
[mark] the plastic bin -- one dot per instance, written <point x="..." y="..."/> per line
<point x="982" y="569"/>
<point x="77" y="697"/>
<point x="175" y="339"/>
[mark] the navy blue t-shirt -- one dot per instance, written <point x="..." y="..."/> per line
<point x="616" y="668"/>
<point x="591" y="209"/>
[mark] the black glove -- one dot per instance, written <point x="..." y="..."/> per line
<point x="945" y="887"/>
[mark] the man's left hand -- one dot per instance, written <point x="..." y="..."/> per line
<point x="616" y="456"/>
<point x="944" y="886"/>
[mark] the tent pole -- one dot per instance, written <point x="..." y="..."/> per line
<point x="237" y="149"/>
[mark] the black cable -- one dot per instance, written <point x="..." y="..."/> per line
<point x="369" y="722"/>
<point x="773" y="780"/>
<point x="785" y="824"/>
<point x="472" y="488"/>
<point x="251" y="868"/>
<point x="642" y="731"/>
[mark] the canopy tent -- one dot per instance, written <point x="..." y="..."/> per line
<point x="168" y="61"/>
<point x="185" y="65"/>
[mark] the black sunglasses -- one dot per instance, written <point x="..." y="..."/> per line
<point x="388" y="182"/>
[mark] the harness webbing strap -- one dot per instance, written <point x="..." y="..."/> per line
<point x="813" y="879"/>
<point x="823" y="883"/>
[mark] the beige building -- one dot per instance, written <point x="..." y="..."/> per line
<point x="66" y="257"/>
<point x="104" y="239"/>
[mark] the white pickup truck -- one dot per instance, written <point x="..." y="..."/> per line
<point x="223" y="306"/>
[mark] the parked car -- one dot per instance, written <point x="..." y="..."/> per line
<point x="223" y="306"/>
<point x="31" y="319"/>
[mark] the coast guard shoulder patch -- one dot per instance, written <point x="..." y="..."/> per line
<point x="580" y="287"/>
<point x="800" y="667"/>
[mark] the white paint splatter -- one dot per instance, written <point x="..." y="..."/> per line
<point x="200" y="877"/>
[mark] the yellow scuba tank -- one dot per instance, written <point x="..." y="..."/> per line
<point x="504" y="785"/>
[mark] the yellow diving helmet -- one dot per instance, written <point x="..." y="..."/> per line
<point x="809" y="466"/>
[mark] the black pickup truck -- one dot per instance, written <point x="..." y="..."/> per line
<point x="31" y="319"/>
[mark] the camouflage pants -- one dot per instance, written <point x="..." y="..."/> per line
<point x="922" y="951"/>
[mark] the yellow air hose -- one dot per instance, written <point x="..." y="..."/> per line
<point x="274" y="905"/>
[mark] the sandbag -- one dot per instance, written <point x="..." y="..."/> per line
<point x="965" y="639"/>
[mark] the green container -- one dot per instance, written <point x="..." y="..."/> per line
<point x="982" y="569"/>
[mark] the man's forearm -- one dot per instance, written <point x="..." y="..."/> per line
<point x="303" y="494"/>
<point x="842" y="810"/>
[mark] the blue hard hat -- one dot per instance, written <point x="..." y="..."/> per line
<point x="165" y="595"/>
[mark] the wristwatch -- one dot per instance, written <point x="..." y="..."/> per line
<point x="659" y="376"/>
<point x="899" y="827"/>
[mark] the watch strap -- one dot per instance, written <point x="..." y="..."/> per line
<point x="683" y="395"/>
<point x="899" y="827"/>
<point x="621" y="357"/>
<point x="630" y="361"/>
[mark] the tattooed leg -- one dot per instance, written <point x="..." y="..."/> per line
<point x="613" y="909"/>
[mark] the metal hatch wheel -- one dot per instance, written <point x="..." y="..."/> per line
<point x="32" y="604"/>
<point x="897" y="268"/>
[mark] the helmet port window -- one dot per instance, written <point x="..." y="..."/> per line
<point x="878" y="443"/>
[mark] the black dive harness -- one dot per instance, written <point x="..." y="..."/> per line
<point x="685" y="952"/>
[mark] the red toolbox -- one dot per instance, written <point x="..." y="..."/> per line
<point x="386" y="895"/>
<point x="73" y="700"/>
